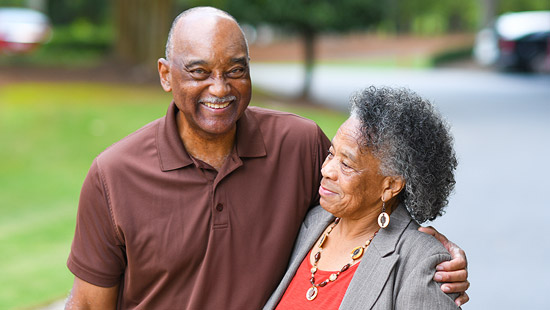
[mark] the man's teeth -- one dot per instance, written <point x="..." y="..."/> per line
<point x="216" y="105"/>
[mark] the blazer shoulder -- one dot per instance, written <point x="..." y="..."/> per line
<point x="414" y="243"/>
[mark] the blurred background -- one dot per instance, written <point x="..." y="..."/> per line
<point x="76" y="76"/>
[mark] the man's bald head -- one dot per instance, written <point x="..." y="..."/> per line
<point x="204" y="11"/>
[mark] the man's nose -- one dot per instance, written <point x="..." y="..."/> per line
<point x="219" y="87"/>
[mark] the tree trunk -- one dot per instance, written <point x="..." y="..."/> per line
<point x="142" y="29"/>
<point x="488" y="12"/>
<point x="308" y="37"/>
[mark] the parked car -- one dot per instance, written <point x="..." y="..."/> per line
<point x="518" y="41"/>
<point x="22" y="30"/>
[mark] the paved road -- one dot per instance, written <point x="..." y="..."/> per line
<point x="500" y="213"/>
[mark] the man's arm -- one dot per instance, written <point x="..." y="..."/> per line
<point x="86" y="296"/>
<point x="454" y="272"/>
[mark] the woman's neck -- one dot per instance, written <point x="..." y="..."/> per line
<point x="350" y="229"/>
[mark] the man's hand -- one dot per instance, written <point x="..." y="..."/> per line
<point x="454" y="272"/>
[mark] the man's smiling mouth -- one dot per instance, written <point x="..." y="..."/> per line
<point x="217" y="105"/>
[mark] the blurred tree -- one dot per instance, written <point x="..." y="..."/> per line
<point x="64" y="12"/>
<point x="521" y="5"/>
<point x="307" y="18"/>
<point x="488" y="12"/>
<point x="430" y="16"/>
<point x="142" y="28"/>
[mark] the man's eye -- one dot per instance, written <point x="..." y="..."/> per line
<point x="198" y="71"/>
<point x="236" y="72"/>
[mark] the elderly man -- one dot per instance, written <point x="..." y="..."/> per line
<point x="200" y="209"/>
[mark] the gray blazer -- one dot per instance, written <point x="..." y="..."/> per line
<point x="395" y="273"/>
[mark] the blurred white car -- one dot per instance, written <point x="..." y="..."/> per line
<point x="519" y="40"/>
<point x="22" y="30"/>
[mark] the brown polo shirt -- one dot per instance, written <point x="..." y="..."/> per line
<point x="176" y="234"/>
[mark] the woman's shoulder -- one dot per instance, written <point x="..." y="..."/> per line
<point x="414" y="243"/>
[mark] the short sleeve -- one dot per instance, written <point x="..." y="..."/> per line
<point x="97" y="253"/>
<point x="321" y="151"/>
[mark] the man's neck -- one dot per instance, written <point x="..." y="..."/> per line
<point x="211" y="149"/>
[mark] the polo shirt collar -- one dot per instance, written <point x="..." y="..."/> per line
<point x="250" y="141"/>
<point x="172" y="153"/>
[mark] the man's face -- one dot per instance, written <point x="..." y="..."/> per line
<point x="208" y="74"/>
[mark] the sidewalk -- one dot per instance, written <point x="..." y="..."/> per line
<point x="58" y="305"/>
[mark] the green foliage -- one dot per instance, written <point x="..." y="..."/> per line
<point x="451" y="55"/>
<point x="82" y="35"/>
<point x="64" y="12"/>
<point x="430" y="16"/>
<point x="12" y="3"/>
<point x="308" y="15"/>
<point x="522" y="5"/>
<point x="50" y="133"/>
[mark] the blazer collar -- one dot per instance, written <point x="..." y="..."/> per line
<point x="313" y="226"/>
<point x="377" y="264"/>
<point x="387" y="238"/>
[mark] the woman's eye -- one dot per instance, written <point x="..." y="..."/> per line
<point x="347" y="167"/>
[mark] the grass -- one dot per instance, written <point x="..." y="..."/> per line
<point x="50" y="133"/>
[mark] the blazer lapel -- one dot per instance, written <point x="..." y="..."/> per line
<point x="377" y="264"/>
<point x="314" y="224"/>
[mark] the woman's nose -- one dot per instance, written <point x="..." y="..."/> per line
<point x="328" y="171"/>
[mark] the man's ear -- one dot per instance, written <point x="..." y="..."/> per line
<point x="392" y="186"/>
<point x="164" y="74"/>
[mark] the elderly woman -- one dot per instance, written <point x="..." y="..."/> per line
<point x="389" y="168"/>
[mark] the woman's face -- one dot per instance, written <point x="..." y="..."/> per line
<point x="352" y="185"/>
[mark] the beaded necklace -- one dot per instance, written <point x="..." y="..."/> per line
<point x="355" y="254"/>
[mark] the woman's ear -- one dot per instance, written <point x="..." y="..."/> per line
<point x="164" y="74"/>
<point x="392" y="187"/>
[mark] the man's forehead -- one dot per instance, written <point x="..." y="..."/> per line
<point x="212" y="36"/>
<point x="205" y="22"/>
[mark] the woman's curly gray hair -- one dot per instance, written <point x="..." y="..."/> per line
<point x="411" y="139"/>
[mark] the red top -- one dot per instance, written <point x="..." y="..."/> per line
<point x="329" y="296"/>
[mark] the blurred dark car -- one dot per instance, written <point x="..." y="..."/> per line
<point x="22" y="30"/>
<point x="517" y="41"/>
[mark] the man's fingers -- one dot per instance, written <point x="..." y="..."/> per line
<point x="458" y="256"/>
<point x="453" y="276"/>
<point x="432" y="231"/>
<point x="428" y="230"/>
<point x="457" y="287"/>
<point x="457" y="263"/>
<point x="462" y="299"/>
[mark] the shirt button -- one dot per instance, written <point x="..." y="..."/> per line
<point x="219" y="207"/>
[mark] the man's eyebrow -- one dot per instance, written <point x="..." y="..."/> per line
<point x="193" y="63"/>
<point x="240" y="60"/>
